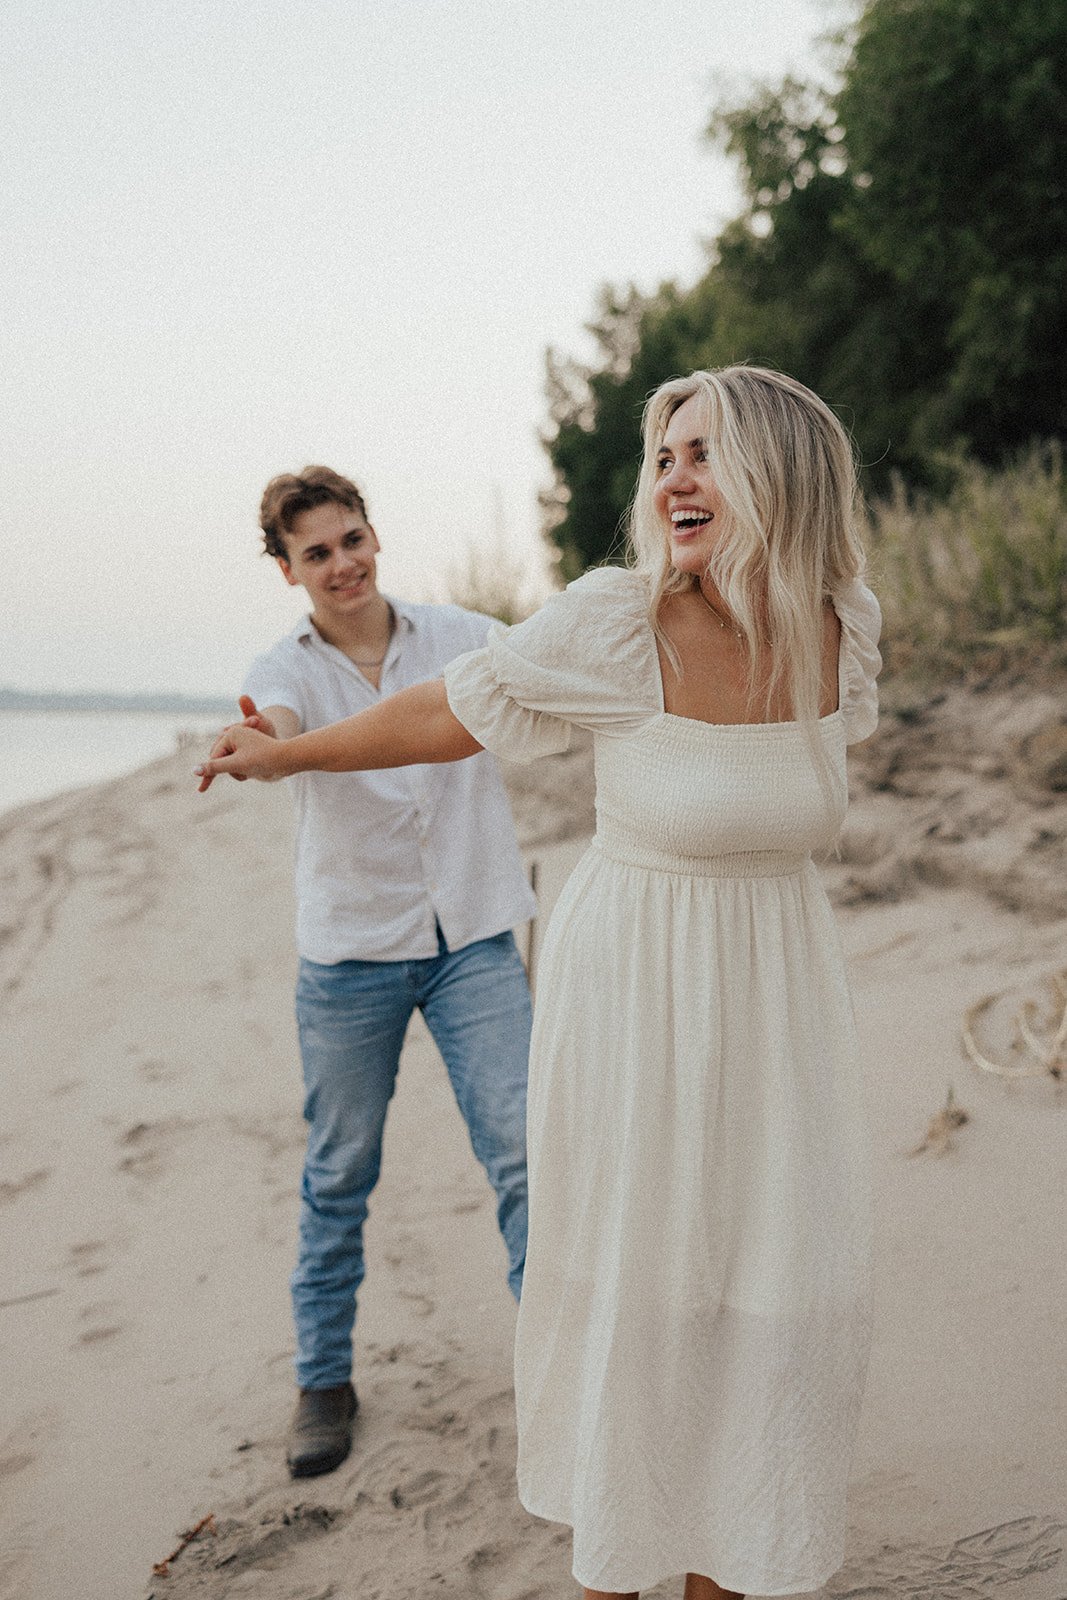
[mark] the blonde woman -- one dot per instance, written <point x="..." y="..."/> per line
<point x="693" y="1331"/>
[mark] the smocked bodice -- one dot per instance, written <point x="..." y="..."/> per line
<point x="702" y="798"/>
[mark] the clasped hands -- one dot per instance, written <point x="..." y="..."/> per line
<point x="248" y="749"/>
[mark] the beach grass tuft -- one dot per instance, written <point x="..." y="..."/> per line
<point x="976" y="581"/>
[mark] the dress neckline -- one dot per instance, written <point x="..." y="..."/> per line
<point x="704" y="722"/>
<point x="780" y="727"/>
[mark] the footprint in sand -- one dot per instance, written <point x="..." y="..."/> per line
<point x="98" y="1335"/>
<point x="392" y="1478"/>
<point x="84" y="1258"/>
<point x="70" y="1086"/>
<point x="528" y="1566"/>
<point x="420" y="1490"/>
<point x="421" y="1304"/>
<point x="99" y="1314"/>
<point x="11" y="1188"/>
<point x="143" y="1158"/>
<point x="146" y="1145"/>
<point x="153" y="1071"/>
<point x="981" y="1563"/>
<point x="238" y="1552"/>
<point x="390" y="1355"/>
<point x="442" y="1424"/>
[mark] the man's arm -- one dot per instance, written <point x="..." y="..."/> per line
<point x="413" y="726"/>
<point x="277" y="722"/>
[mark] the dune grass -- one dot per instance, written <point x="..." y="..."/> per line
<point x="491" y="580"/>
<point x="976" y="582"/>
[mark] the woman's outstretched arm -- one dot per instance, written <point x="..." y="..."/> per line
<point x="413" y="726"/>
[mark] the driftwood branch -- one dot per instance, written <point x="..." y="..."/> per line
<point x="1049" y="1055"/>
<point x="162" y="1568"/>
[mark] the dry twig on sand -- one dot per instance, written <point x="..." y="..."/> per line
<point x="942" y="1125"/>
<point x="161" y="1568"/>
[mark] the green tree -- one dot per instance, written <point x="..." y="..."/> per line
<point x="795" y="292"/>
<point x="955" y="114"/>
<point x="902" y="249"/>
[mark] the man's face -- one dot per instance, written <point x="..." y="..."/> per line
<point x="331" y="553"/>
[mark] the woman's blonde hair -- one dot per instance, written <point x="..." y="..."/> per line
<point x="784" y="468"/>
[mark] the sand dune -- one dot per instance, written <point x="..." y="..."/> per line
<point x="151" y="1142"/>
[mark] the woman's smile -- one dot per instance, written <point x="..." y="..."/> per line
<point x="684" y="492"/>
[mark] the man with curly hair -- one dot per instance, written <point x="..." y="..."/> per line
<point x="409" y="883"/>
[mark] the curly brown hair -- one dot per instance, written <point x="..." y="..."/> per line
<point x="290" y="493"/>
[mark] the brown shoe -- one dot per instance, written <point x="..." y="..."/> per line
<point x="321" y="1433"/>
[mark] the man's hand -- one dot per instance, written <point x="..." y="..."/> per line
<point x="253" y="719"/>
<point x="256" y="719"/>
<point x="243" y="752"/>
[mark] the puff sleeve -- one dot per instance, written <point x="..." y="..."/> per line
<point x="861" y="624"/>
<point x="586" y="659"/>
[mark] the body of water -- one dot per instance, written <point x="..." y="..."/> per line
<point x="45" y="752"/>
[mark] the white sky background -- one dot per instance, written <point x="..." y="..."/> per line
<point x="245" y="235"/>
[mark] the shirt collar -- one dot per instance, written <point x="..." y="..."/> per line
<point x="406" y="616"/>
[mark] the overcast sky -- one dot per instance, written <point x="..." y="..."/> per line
<point x="241" y="237"/>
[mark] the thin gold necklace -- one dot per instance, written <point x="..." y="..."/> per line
<point x="377" y="663"/>
<point x="717" y="614"/>
<point x="392" y="626"/>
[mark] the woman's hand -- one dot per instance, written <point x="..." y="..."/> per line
<point x="244" y="752"/>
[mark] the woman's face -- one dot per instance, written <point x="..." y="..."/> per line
<point x="687" y="502"/>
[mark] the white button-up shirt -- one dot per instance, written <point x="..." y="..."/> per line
<point x="382" y="857"/>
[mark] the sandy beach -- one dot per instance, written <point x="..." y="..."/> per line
<point x="150" y="1148"/>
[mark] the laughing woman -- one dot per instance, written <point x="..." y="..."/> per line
<point x="693" y="1333"/>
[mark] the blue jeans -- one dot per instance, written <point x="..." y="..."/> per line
<point x="352" y="1018"/>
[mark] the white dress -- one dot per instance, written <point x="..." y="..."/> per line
<point x="694" y="1326"/>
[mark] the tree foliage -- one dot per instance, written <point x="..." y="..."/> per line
<point x="596" y="412"/>
<point x="956" y="118"/>
<point x="902" y="249"/>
